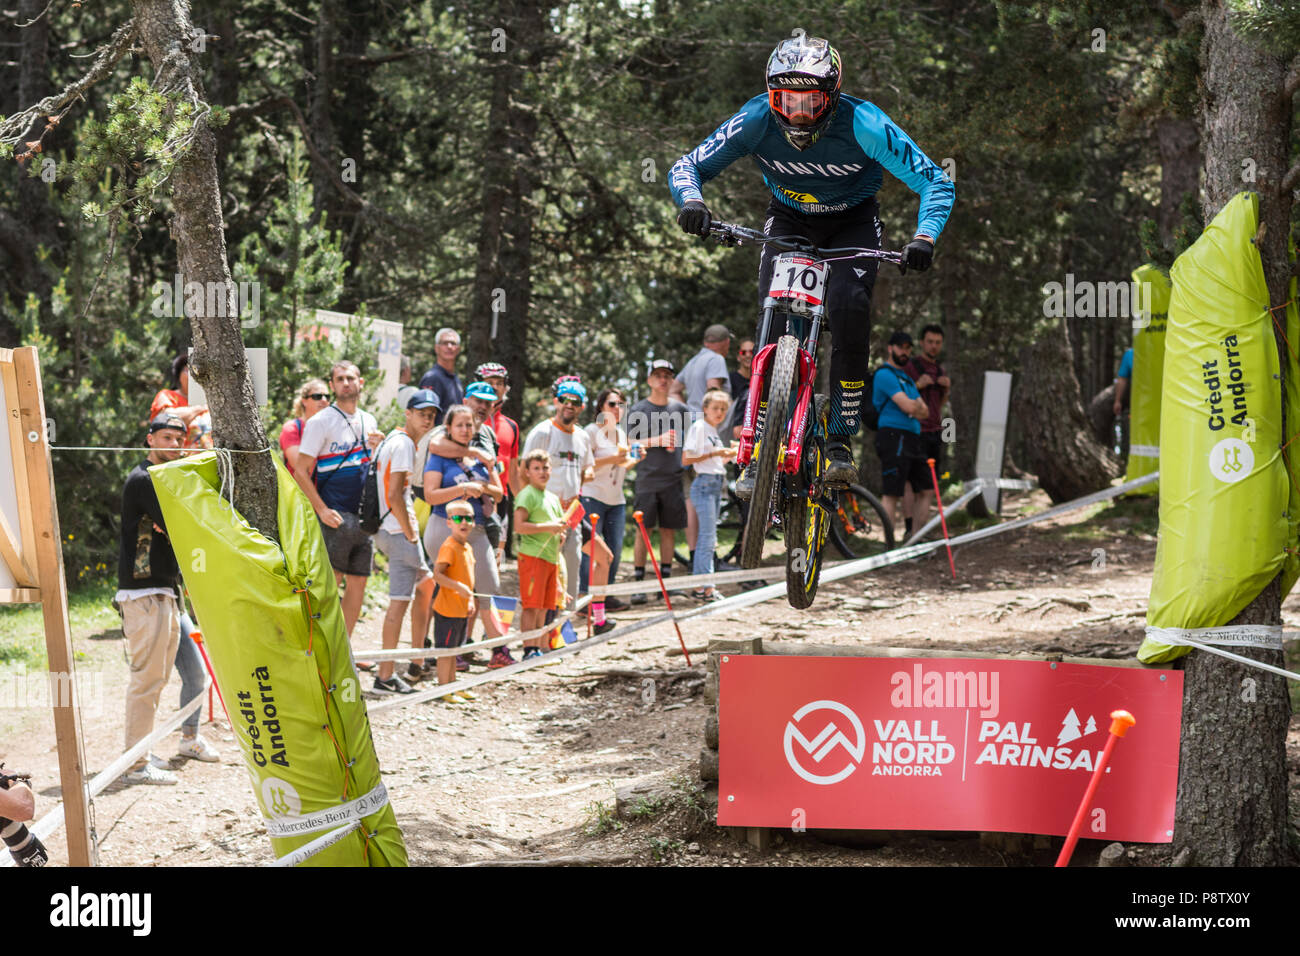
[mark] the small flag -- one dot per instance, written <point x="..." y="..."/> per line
<point x="573" y="517"/>
<point x="503" y="612"/>
<point x="568" y="633"/>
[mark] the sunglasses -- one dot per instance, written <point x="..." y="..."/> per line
<point x="613" y="404"/>
<point x="571" y="402"/>
<point x="746" y="352"/>
<point x="319" y="396"/>
<point x="461" y="519"/>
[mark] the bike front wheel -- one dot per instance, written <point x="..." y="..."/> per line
<point x="860" y="527"/>
<point x="806" y="522"/>
<point x="767" y="453"/>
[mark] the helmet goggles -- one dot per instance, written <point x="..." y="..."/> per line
<point x="799" y="107"/>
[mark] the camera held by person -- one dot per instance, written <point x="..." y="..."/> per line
<point x="17" y="805"/>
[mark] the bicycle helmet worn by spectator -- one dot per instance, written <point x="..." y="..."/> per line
<point x="555" y="386"/>
<point x="491" y="370"/>
<point x="803" y="87"/>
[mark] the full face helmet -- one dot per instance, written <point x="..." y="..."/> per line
<point x="803" y="87"/>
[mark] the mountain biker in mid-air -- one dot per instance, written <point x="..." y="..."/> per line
<point x="820" y="153"/>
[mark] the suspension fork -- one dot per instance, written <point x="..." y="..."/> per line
<point x="756" y="405"/>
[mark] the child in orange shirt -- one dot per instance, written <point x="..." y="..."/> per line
<point x="454" y="605"/>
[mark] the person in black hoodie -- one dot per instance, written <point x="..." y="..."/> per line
<point x="147" y="579"/>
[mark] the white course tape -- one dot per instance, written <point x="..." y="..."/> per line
<point x="420" y="653"/>
<point x="1241" y="635"/>
<point x="47" y="824"/>
<point x="353" y="810"/>
<point x="934" y="521"/>
<point x="835" y="572"/>
<point x="1144" y="451"/>
<point x="308" y="850"/>
<point x="1241" y="660"/>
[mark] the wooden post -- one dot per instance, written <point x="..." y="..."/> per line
<point x="38" y="476"/>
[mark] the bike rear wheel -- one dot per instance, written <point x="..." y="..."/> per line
<point x="860" y="527"/>
<point x="767" y="453"/>
<point x="806" y="522"/>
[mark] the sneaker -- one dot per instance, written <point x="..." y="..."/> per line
<point x="609" y="625"/>
<point x="159" y="762"/>
<point x="196" y="748"/>
<point x="467" y="695"/>
<point x="151" y="775"/>
<point x="840" y="470"/>
<point x="636" y="599"/>
<point x="414" y="673"/>
<point x="500" y="658"/>
<point x="473" y="657"/>
<point x="394" y="685"/>
<point x="462" y="664"/>
<point x="531" y="652"/>
<point x="707" y="594"/>
<point x="430" y="670"/>
<point x="455" y="698"/>
<point x="612" y="603"/>
<point x="745" y="483"/>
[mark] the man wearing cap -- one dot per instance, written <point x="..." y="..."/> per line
<point x="658" y="424"/>
<point x="898" y="438"/>
<point x="572" y="463"/>
<point x="147" y="578"/>
<point x="399" y="538"/>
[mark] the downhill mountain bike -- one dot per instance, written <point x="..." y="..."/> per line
<point x="784" y="434"/>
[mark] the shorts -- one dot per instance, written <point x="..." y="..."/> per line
<point x="664" y="508"/>
<point x="538" y="583"/>
<point x="406" y="564"/>
<point x="932" y="445"/>
<point x="449" y="631"/>
<point x="350" y="549"/>
<point x="901" y="461"/>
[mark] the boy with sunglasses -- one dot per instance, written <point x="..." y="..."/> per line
<point x="453" y="572"/>
<point x="822" y="155"/>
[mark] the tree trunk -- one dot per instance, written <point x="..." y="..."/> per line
<point x="502" y="278"/>
<point x="219" y="363"/>
<point x="1180" y="171"/>
<point x="1047" y="409"/>
<point x="1232" y="786"/>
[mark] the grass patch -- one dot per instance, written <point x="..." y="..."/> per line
<point x="601" y="818"/>
<point x="1133" y="514"/>
<point x="22" y="626"/>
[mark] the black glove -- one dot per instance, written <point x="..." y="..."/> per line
<point x="917" y="254"/>
<point x="694" y="218"/>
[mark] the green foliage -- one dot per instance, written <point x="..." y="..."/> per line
<point x="601" y="818"/>
<point x="1273" y="24"/>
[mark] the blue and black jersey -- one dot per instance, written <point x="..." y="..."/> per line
<point x="839" y="171"/>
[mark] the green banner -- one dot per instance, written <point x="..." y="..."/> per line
<point x="1151" y="313"/>
<point x="273" y="627"/>
<point x="1223" y="486"/>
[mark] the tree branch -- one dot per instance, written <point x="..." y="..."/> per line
<point x="1291" y="179"/>
<point x="15" y="127"/>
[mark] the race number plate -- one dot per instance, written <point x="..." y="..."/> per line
<point x="798" y="277"/>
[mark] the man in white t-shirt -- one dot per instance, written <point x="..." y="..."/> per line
<point x="398" y="537"/>
<point x="707" y="370"/>
<point x="572" y="463"/>
<point x="332" y="460"/>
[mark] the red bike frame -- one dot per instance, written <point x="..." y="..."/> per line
<point x="806" y="374"/>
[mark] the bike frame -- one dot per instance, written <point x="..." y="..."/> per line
<point x="756" y="407"/>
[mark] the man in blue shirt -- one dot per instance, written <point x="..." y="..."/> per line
<point x="1123" y="392"/>
<point x="442" y="378"/>
<point x="898" y="440"/>
<point x="822" y="155"/>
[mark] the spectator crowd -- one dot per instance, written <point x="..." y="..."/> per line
<point x="463" y="491"/>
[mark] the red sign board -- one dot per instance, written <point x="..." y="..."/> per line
<point x="944" y="744"/>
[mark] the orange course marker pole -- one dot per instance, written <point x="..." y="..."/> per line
<point x="1120" y="722"/>
<point x="938" y="499"/>
<point x="197" y="637"/>
<point x="653" y="558"/>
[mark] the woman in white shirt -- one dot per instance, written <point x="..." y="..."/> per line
<point x="706" y="451"/>
<point x="603" y="495"/>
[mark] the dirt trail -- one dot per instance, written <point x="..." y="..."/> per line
<point x="530" y="769"/>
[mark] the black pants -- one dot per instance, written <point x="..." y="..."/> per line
<point x="848" y="298"/>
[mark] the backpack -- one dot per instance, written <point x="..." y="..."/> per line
<point x="871" y="418"/>
<point x="368" y="510"/>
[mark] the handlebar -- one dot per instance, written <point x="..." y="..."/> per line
<point x="729" y="234"/>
